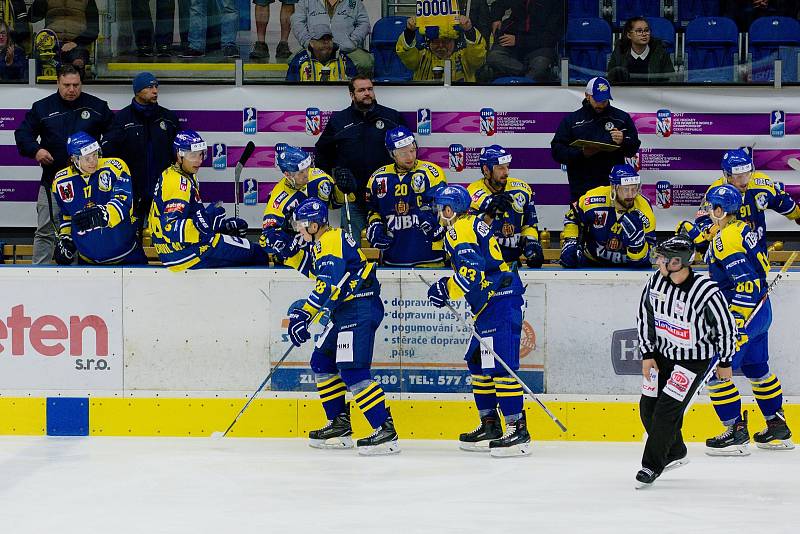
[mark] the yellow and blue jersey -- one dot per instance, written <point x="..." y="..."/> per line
<point x="739" y="266"/>
<point x="326" y="262"/>
<point x="397" y="199"/>
<point x="480" y="271"/>
<point x="110" y="186"/>
<point x="468" y="56"/>
<point x="510" y="227"/>
<point x="305" y="68"/>
<point x="761" y="195"/>
<point x="595" y="223"/>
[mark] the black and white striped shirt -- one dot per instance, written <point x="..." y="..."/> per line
<point x="689" y="321"/>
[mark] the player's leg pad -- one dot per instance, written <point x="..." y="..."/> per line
<point x="768" y="394"/>
<point x="515" y="442"/>
<point x="332" y="390"/>
<point x="509" y="394"/>
<point x="484" y="392"/>
<point x="382" y="442"/>
<point x="336" y="434"/>
<point x="776" y="436"/>
<point x="478" y="440"/>
<point x="726" y="400"/>
<point x="733" y="442"/>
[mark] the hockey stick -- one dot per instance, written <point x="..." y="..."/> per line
<point x="347" y="216"/>
<point x="237" y="175"/>
<point x="474" y="332"/>
<point x="220" y="435"/>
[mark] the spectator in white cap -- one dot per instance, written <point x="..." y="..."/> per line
<point x="594" y="138"/>
<point x="321" y="61"/>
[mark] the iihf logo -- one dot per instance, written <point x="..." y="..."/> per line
<point x="219" y="157"/>
<point x="663" y="123"/>
<point x="488" y="122"/>
<point x="250" y="192"/>
<point x="457" y="157"/>
<point x="279" y="148"/>
<point x="249" y="121"/>
<point x="663" y="194"/>
<point x="424" y="121"/>
<point x="313" y="121"/>
<point x="635" y="161"/>
<point x="777" y="123"/>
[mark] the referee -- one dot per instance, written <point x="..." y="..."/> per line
<point x="683" y="324"/>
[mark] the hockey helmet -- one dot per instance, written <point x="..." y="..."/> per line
<point x="736" y="162"/>
<point x="311" y="210"/>
<point x="494" y="155"/>
<point x="398" y="138"/>
<point x="81" y="144"/>
<point x="293" y="159"/>
<point x="455" y="196"/>
<point x="677" y="246"/>
<point x="724" y="196"/>
<point x="189" y="141"/>
<point x="624" y="175"/>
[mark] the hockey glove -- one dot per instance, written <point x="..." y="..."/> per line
<point x="65" y="250"/>
<point x="234" y="226"/>
<point x="429" y="224"/>
<point x="632" y="229"/>
<point x="689" y="229"/>
<point x="500" y="204"/>
<point x="209" y="219"/>
<point x="533" y="253"/>
<point x="437" y="293"/>
<point x="298" y="326"/>
<point x="376" y="234"/>
<point x="345" y="180"/>
<point x="741" y="337"/>
<point x="90" y="218"/>
<point x="276" y="241"/>
<point x="571" y="254"/>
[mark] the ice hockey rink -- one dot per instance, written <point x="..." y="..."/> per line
<point x="152" y="485"/>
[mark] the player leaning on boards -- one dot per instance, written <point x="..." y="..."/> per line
<point x="740" y="266"/>
<point x="95" y="197"/>
<point x="342" y="357"/>
<point x="493" y="292"/>
<point x="507" y="206"/>
<point x="401" y="223"/>
<point x="683" y="323"/>
<point x="186" y="234"/>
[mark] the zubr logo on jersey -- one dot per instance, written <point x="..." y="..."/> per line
<point x="458" y="156"/>
<point x="663" y="123"/>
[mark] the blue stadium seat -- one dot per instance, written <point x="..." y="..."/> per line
<point x="711" y="47"/>
<point x="663" y="29"/>
<point x="767" y="36"/>
<point x="388" y="67"/>
<point x="635" y="8"/>
<point x="688" y="10"/>
<point x="513" y="80"/>
<point x="583" y="8"/>
<point x="588" y="45"/>
<point x="790" y="55"/>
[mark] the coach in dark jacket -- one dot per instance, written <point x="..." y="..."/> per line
<point x="597" y="120"/>
<point x="142" y="135"/>
<point x="43" y="136"/>
<point x="353" y="146"/>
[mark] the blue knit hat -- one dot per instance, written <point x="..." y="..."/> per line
<point x="144" y="80"/>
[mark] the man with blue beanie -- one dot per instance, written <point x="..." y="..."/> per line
<point x="142" y="135"/>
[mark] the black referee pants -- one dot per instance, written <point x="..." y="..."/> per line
<point x="662" y="416"/>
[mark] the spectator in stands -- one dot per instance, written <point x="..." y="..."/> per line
<point x="352" y="146"/>
<point x="638" y="57"/>
<point x="349" y="22"/>
<point x="76" y="23"/>
<point x="15" y="15"/>
<point x="13" y="65"/>
<point x="198" y="24"/>
<point x="322" y="61"/>
<point x="481" y="17"/>
<point x="604" y="127"/>
<point x="260" y="48"/>
<point x="142" y="135"/>
<point x="525" y="40"/>
<point x="465" y="49"/>
<point x="744" y="12"/>
<point x="143" y="28"/>
<point x="43" y="136"/>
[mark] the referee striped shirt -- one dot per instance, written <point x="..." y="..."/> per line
<point x="687" y="321"/>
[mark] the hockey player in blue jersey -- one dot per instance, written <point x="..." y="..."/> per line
<point x="507" y="205"/>
<point x="300" y="181"/>
<point x="400" y="221"/>
<point x="186" y="234"/>
<point x="759" y="194"/>
<point x="342" y="358"/>
<point x="738" y="264"/>
<point x="610" y="226"/>
<point x="493" y="292"/>
<point x="95" y="198"/>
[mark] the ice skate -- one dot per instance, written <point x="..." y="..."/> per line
<point x="515" y="442"/>
<point x="381" y="442"/>
<point x="674" y="463"/>
<point x="478" y="440"/>
<point x="777" y="436"/>
<point x="645" y="478"/>
<point x="334" y="435"/>
<point x="733" y="442"/>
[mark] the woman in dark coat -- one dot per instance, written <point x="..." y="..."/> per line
<point x="639" y="57"/>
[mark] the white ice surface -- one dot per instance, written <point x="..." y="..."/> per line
<point x="198" y="485"/>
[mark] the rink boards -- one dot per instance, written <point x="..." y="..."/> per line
<point x="148" y="352"/>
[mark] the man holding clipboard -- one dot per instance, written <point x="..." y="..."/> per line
<point x="594" y="138"/>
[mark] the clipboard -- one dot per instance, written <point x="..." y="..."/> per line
<point x="603" y="147"/>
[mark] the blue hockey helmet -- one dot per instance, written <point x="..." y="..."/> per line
<point x="293" y="159"/>
<point x="494" y="155"/>
<point x="189" y="141"/>
<point x="398" y="138"/>
<point x="624" y="175"/>
<point x="455" y="196"/>
<point x="726" y="197"/>
<point x="736" y="162"/>
<point x="311" y="210"/>
<point x="81" y="144"/>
